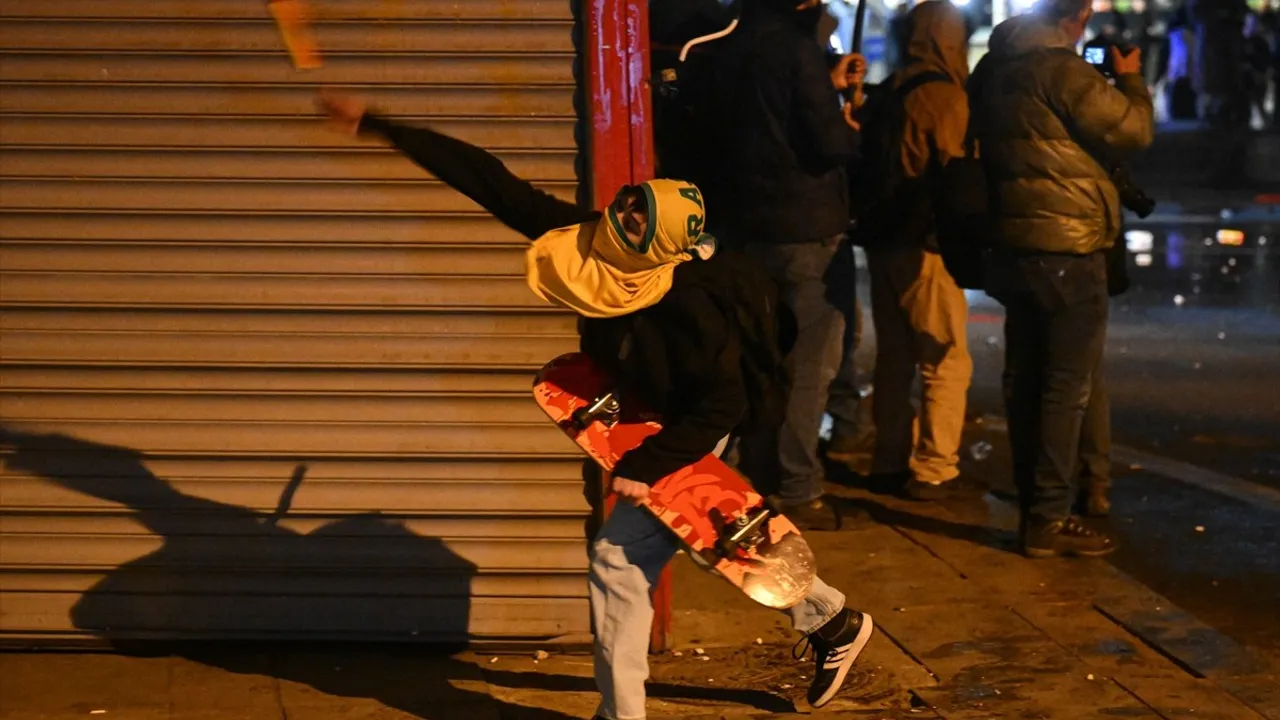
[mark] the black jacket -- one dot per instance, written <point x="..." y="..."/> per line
<point x="788" y="144"/>
<point x="682" y="356"/>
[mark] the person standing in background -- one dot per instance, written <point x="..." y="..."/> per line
<point x="789" y="146"/>
<point x="920" y="312"/>
<point x="1256" y="65"/>
<point x="1271" y="21"/>
<point x="1219" y="27"/>
<point x="1181" y="84"/>
<point x="1049" y="128"/>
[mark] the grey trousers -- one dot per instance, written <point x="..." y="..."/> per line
<point x="816" y="280"/>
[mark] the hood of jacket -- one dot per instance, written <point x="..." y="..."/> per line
<point x="1026" y="33"/>
<point x="769" y="11"/>
<point x="599" y="270"/>
<point x="937" y="41"/>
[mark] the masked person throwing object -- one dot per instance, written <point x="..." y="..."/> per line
<point x="648" y="287"/>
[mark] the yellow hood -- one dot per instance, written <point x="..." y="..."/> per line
<point x="597" y="271"/>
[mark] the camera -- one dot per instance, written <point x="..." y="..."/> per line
<point x="1098" y="57"/>
<point x="1132" y="197"/>
<point x="1097" y="52"/>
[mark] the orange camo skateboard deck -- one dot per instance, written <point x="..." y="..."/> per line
<point x="725" y="525"/>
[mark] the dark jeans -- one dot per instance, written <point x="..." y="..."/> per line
<point x="1055" y="327"/>
<point x="844" y="400"/>
<point x="1095" y="436"/>
<point x="816" y="280"/>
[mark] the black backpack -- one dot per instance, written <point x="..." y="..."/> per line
<point x="962" y="219"/>
<point x="885" y="203"/>
<point x="961" y="203"/>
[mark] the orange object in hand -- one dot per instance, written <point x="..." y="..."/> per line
<point x="294" y="19"/>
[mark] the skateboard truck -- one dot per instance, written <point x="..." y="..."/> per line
<point x="746" y="531"/>
<point x="604" y="408"/>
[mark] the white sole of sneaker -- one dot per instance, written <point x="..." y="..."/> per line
<point x="855" y="649"/>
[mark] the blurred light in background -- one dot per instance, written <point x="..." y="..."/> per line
<point x="1232" y="238"/>
<point x="1139" y="240"/>
<point x="1173" y="244"/>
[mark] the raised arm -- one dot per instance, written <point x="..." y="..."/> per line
<point x="465" y="168"/>
<point x="817" y="110"/>
<point x="1116" y="119"/>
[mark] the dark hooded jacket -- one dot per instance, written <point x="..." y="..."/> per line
<point x="1049" y="126"/>
<point x="936" y="114"/>
<point x="788" y="144"/>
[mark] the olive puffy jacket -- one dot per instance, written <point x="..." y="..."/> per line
<point x="1048" y="127"/>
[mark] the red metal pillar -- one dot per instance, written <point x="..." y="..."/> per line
<point x="616" y="46"/>
<point x="617" y="53"/>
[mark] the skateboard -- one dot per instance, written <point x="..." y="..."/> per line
<point x="725" y="526"/>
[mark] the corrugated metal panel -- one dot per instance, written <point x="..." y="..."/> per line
<point x="213" y="307"/>
<point x="240" y="165"/>
<point x="324" y="10"/>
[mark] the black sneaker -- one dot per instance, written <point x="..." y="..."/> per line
<point x="848" y="448"/>
<point x="1069" y="537"/>
<point x="888" y="483"/>
<point x="835" y="646"/>
<point x="813" y="515"/>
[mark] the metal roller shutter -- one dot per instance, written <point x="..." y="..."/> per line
<point x="214" y="308"/>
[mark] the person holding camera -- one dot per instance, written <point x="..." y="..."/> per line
<point x="1049" y="128"/>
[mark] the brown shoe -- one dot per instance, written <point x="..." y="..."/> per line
<point x="1068" y="537"/>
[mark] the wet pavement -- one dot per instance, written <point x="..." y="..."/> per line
<point x="1193" y="363"/>
<point x="1216" y="557"/>
<point x="1193" y="349"/>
